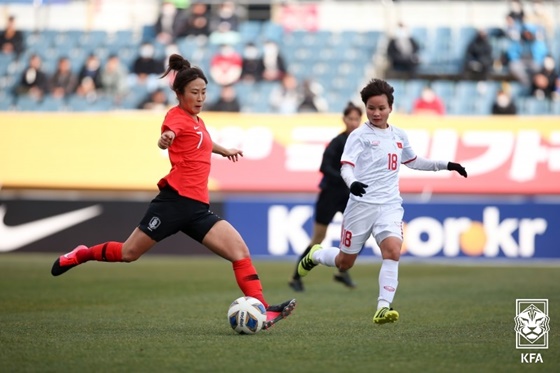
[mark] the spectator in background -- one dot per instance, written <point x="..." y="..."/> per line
<point x="526" y="56"/>
<point x="63" y="82"/>
<point x="146" y="64"/>
<point x="227" y="14"/>
<point x="113" y="78"/>
<point x="156" y="100"/>
<point x="227" y="102"/>
<point x="34" y="81"/>
<point x="169" y="23"/>
<point x="540" y="17"/>
<point x="226" y="66"/>
<point x="544" y="82"/>
<point x="312" y="100"/>
<point x="428" y="103"/>
<point x="91" y="69"/>
<point x="286" y="98"/>
<point x="87" y="89"/>
<point x="274" y="64"/>
<point x="402" y="52"/>
<point x="197" y="21"/>
<point x="516" y="11"/>
<point x="252" y="66"/>
<point x="11" y="39"/>
<point x="479" y="58"/>
<point x="225" y="25"/>
<point x="503" y="104"/>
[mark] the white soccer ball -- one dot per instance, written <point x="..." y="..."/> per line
<point x="246" y="315"/>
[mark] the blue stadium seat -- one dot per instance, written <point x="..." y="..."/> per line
<point x="27" y="103"/>
<point x="534" y="106"/>
<point x="250" y="31"/>
<point x="50" y="103"/>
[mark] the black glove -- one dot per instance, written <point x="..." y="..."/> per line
<point x="451" y="166"/>
<point x="358" y="189"/>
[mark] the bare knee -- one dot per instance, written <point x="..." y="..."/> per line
<point x="344" y="262"/>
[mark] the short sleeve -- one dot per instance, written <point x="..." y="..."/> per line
<point x="408" y="153"/>
<point x="352" y="149"/>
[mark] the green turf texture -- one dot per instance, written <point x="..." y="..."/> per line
<point x="168" y="314"/>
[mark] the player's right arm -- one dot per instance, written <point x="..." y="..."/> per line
<point x="166" y="139"/>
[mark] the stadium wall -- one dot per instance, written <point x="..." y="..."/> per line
<point x="87" y="178"/>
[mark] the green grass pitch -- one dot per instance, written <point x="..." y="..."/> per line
<point x="168" y="314"/>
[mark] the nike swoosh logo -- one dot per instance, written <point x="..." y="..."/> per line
<point x="15" y="237"/>
<point x="197" y="127"/>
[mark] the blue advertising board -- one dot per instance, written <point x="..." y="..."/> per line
<point x="280" y="227"/>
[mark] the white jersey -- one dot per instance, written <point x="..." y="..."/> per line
<point x="376" y="155"/>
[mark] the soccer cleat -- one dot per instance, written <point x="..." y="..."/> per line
<point x="344" y="278"/>
<point x="278" y="312"/>
<point x="66" y="261"/>
<point x="385" y="315"/>
<point x="296" y="284"/>
<point x="306" y="264"/>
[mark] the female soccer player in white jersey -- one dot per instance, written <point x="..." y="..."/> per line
<point x="370" y="167"/>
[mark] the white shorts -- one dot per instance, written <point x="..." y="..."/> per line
<point x="364" y="219"/>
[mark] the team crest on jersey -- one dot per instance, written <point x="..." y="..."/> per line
<point x="154" y="223"/>
<point x="399" y="145"/>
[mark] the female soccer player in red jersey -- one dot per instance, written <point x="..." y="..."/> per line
<point x="183" y="201"/>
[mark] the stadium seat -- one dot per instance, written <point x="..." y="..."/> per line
<point x="27" y="103"/>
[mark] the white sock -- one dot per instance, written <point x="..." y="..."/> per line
<point x="388" y="282"/>
<point x="326" y="256"/>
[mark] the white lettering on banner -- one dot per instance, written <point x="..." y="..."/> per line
<point x="256" y="142"/>
<point x="305" y="153"/>
<point x="554" y="153"/>
<point x="285" y="228"/>
<point x="527" y="156"/>
<point x="498" y="144"/>
<point x="524" y="149"/>
<point x="424" y="236"/>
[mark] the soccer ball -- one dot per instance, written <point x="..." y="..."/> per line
<point x="246" y="315"/>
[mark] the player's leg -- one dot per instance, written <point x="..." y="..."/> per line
<point x="319" y="233"/>
<point x="152" y="228"/>
<point x="342" y="276"/>
<point x="356" y="229"/>
<point x="388" y="233"/>
<point x="224" y="240"/>
<point x="130" y="250"/>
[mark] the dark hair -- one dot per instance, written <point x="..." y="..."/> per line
<point x="350" y="107"/>
<point x="378" y="87"/>
<point x="185" y="72"/>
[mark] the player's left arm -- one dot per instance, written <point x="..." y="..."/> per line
<point x="231" y="153"/>
<point x="411" y="160"/>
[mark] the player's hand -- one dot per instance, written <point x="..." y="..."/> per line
<point x="358" y="189"/>
<point x="233" y="154"/>
<point x="451" y="166"/>
<point x="166" y="139"/>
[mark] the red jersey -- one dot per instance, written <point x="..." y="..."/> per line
<point x="189" y="154"/>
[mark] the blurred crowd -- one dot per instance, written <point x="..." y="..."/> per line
<point x="518" y="51"/>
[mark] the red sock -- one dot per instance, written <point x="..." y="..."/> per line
<point x="248" y="279"/>
<point x="105" y="252"/>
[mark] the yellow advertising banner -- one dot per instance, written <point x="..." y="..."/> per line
<point x="118" y="151"/>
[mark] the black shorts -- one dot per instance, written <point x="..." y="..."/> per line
<point x="329" y="202"/>
<point x="170" y="213"/>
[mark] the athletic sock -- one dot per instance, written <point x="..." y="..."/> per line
<point x="248" y="279"/>
<point x="106" y="252"/>
<point x="296" y="275"/>
<point x="388" y="282"/>
<point x="326" y="256"/>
